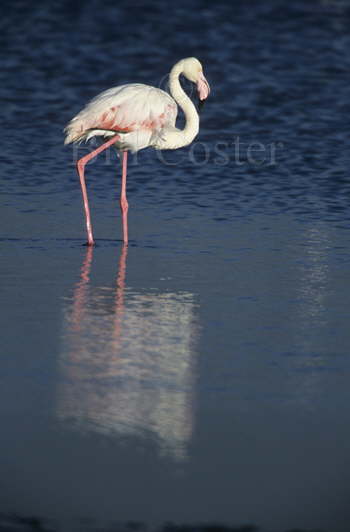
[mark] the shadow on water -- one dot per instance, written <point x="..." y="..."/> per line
<point x="11" y="523"/>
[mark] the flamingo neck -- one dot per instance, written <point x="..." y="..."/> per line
<point x="192" y="119"/>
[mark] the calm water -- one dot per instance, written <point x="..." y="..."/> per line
<point x="202" y="374"/>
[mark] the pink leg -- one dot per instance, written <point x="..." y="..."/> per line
<point x="80" y="167"/>
<point x="124" y="206"/>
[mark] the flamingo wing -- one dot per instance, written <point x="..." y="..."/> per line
<point x="125" y="109"/>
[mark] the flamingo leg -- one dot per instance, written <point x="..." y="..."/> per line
<point x="124" y="206"/>
<point x="81" y="172"/>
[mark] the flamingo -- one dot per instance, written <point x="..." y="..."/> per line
<point x="136" y="116"/>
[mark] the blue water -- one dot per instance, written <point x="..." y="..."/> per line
<point x="202" y="374"/>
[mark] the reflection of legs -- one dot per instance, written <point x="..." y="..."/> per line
<point x="80" y="297"/>
<point x="123" y="201"/>
<point x="119" y="299"/>
<point x="80" y="167"/>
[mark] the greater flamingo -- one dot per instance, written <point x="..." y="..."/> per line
<point x="137" y="116"/>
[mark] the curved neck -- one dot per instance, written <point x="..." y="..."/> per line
<point x="192" y="119"/>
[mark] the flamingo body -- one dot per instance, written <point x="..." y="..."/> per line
<point x="136" y="116"/>
<point x="137" y="112"/>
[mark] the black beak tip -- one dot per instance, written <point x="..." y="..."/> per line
<point x="200" y="105"/>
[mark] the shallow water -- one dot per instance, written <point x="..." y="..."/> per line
<point x="201" y="374"/>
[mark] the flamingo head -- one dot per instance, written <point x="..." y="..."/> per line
<point x="193" y="70"/>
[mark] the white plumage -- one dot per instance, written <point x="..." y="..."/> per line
<point x="137" y="112"/>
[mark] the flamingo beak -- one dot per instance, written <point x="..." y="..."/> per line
<point x="200" y="105"/>
<point x="202" y="87"/>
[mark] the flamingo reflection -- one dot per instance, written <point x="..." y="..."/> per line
<point x="127" y="361"/>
